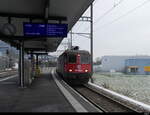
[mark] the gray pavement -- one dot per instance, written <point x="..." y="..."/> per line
<point x="42" y="96"/>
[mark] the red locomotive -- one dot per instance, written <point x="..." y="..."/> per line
<point x="75" y="66"/>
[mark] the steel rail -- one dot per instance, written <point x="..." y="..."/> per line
<point x="124" y="100"/>
<point x="102" y="102"/>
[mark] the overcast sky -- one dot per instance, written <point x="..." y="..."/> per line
<point x="125" y="30"/>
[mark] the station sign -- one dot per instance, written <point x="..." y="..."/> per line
<point x="45" y="30"/>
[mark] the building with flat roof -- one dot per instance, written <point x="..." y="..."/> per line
<point x="138" y="66"/>
<point x="118" y="63"/>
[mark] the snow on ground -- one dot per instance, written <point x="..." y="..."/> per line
<point x="133" y="86"/>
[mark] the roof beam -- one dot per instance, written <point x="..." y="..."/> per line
<point x="35" y="49"/>
<point x="46" y="9"/>
<point x="25" y="38"/>
<point x="36" y="53"/>
<point x="32" y="17"/>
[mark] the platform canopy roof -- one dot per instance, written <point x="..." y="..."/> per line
<point x="53" y="11"/>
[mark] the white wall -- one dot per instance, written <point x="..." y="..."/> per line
<point x="117" y="63"/>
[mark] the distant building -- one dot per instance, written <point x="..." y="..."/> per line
<point x="48" y="58"/>
<point x="8" y="55"/>
<point x="113" y="63"/>
<point x="117" y="63"/>
<point x="138" y="66"/>
<point x="4" y="47"/>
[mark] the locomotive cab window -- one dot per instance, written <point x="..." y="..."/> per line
<point x="72" y="58"/>
<point x="85" y="59"/>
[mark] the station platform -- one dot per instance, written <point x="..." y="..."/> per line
<point x="42" y="96"/>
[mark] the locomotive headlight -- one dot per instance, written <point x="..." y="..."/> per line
<point x="70" y="70"/>
<point x="86" y="70"/>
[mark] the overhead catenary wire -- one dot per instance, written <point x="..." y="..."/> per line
<point x="84" y="36"/>
<point x="80" y="24"/>
<point x="122" y="16"/>
<point x="103" y="15"/>
<point x="115" y="4"/>
<point x="95" y="1"/>
<point x="107" y="12"/>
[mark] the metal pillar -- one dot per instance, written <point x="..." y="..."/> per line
<point x="21" y="64"/>
<point x="71" y="39"/>
<point x="37" y="61"/>
<point x="92" y="40"/>
<point x="32" y="65"/>
<point x="10" y="57"/>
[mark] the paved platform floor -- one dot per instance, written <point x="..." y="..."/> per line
<point x="42" y="96"/>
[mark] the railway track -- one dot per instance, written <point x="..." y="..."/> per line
<point x="7" y="73"/>
<point x="102" y="102"/>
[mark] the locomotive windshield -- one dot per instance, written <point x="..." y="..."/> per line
<point x="85" y="59"/>
<point x="72" y="58"/>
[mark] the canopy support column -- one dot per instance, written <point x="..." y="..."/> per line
<point x="91" y="40"/>
<point x="21" y="64"/>
<point x="37" y="61"/>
